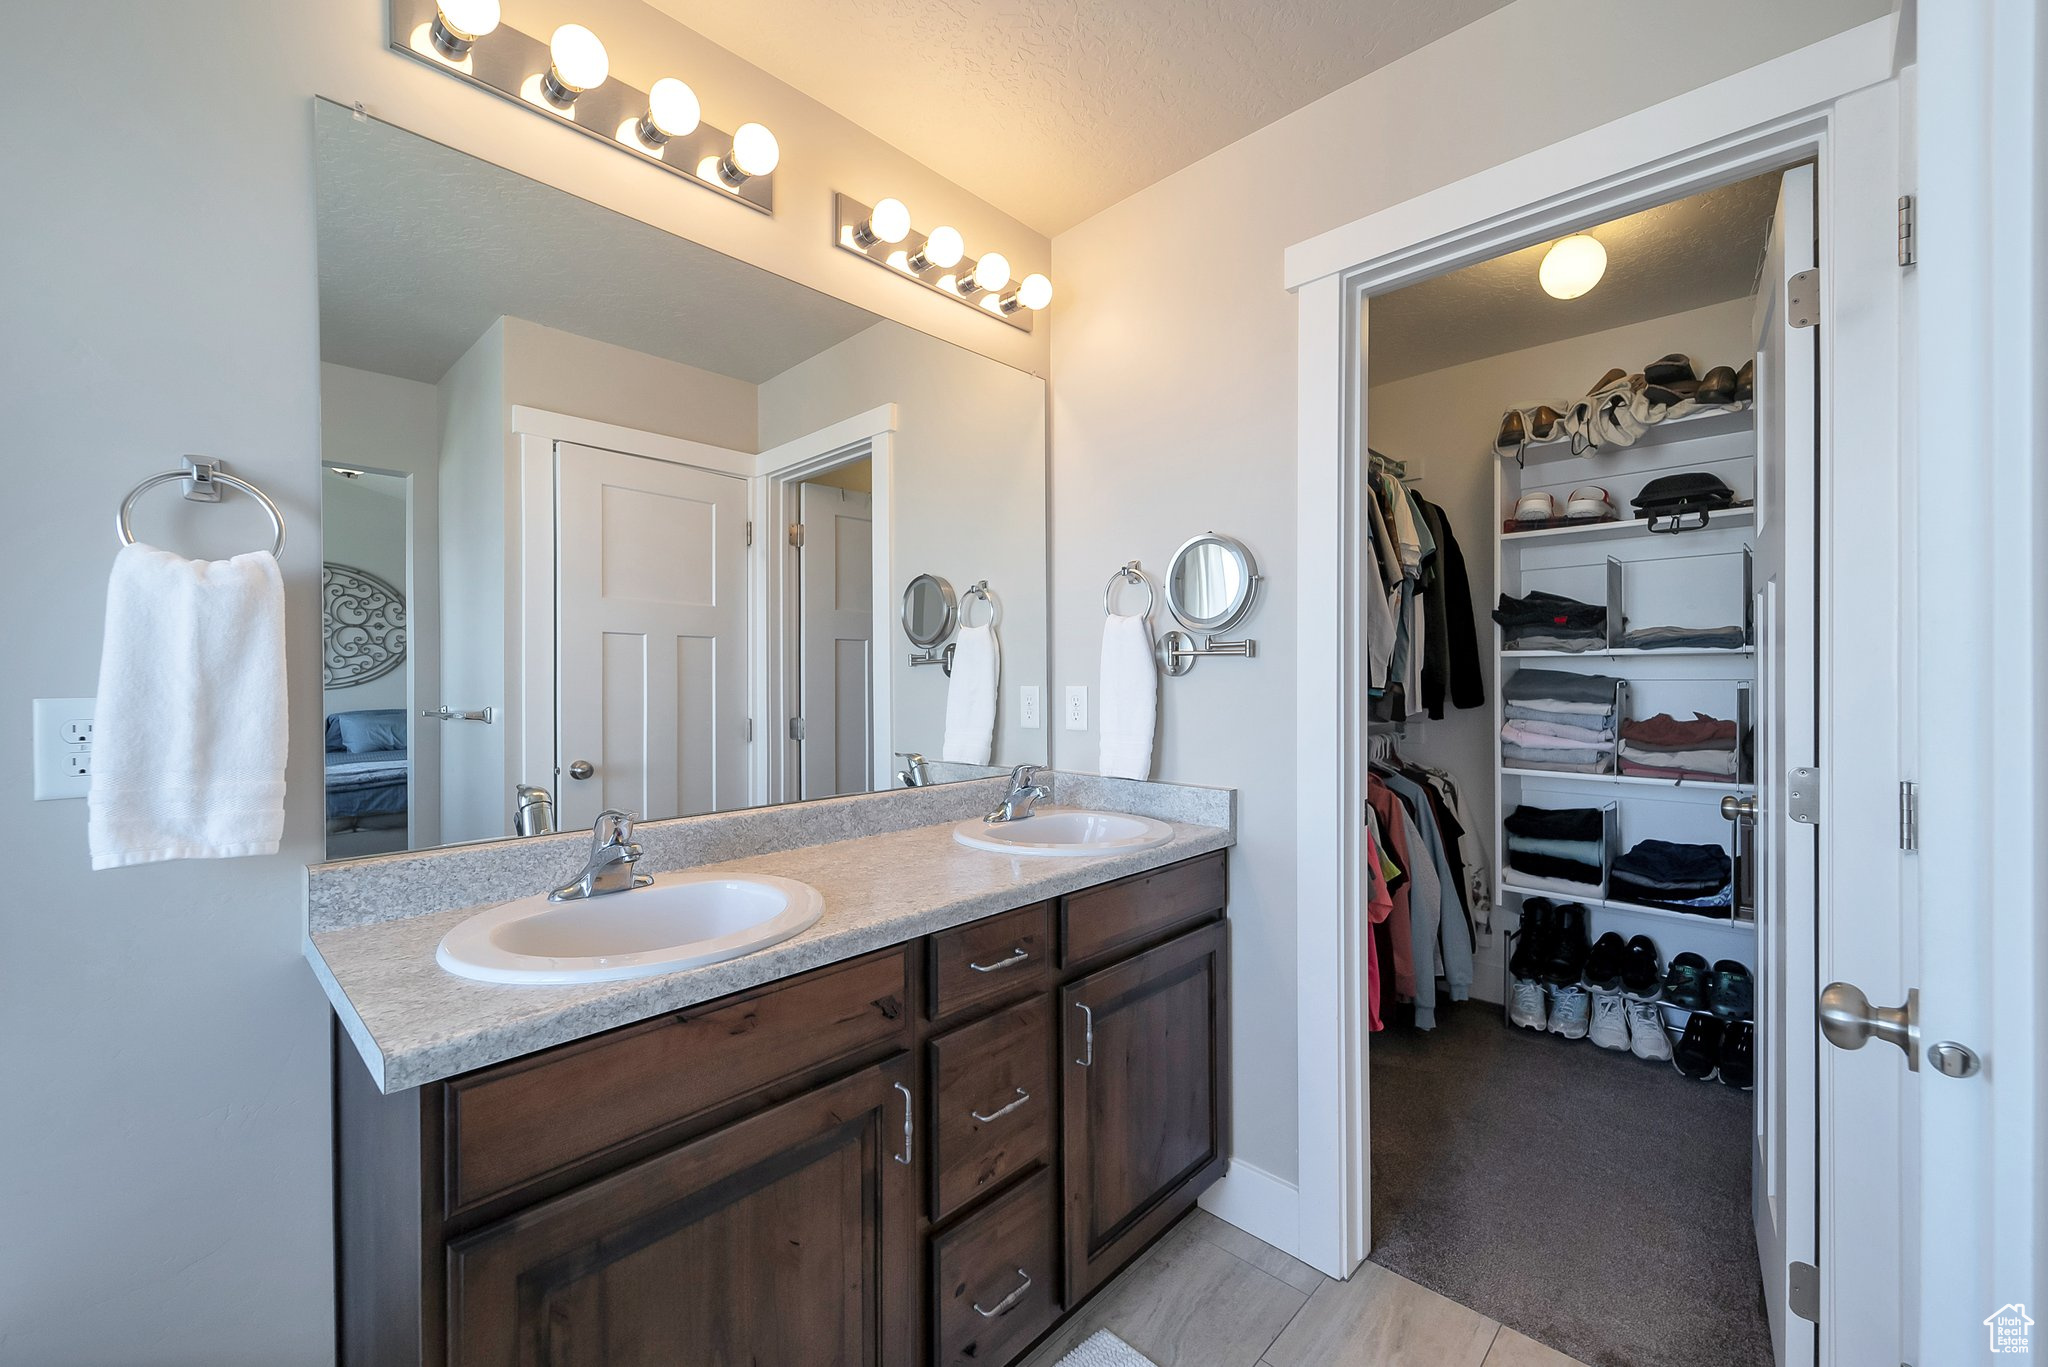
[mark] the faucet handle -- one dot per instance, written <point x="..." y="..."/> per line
<point x="1025" y="775"/>
<point x="612" y="827"/>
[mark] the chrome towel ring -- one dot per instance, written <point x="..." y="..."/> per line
<point x="204" y="478"/>
<point x="1129" y="574"/>
<point x="979" y="590"/>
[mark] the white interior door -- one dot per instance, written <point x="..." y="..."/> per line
<point x="1785" y="1175"/>
<point x="835" y="647"/>
<point x="650" y="636"/>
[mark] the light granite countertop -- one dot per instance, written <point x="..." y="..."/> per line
<point x="415" y="1023"/>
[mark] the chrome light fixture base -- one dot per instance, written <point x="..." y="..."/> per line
<point x="517" y="66"/>
<point x="898" y="258"/>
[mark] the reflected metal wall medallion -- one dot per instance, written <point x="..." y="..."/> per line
<point x="363" y="626"/>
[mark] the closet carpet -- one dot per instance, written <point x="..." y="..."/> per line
<point x="1595" y="1202"/>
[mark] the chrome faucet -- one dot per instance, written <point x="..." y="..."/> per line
<point x="613" y="852"/>
<point x="1024" y="791"/>
<point x="917" y="775"/>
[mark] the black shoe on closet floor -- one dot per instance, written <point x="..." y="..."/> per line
<point x="1640" y="973"/>
<point x="1532" y="940"/>
<point x="1605" y="962"/>
<point x="1699" y="1048"/>
<point x="1736" y="1061"/>
<point x="1567" y="962"/>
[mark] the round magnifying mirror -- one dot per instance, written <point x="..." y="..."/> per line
<point x="930" y="610"/>
<point x="1210" y="584"/>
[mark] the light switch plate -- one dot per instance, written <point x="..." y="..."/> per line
<point x="1077" y="707"/>
<point x="63" y="747"/>
<point x="1027" y="707"/>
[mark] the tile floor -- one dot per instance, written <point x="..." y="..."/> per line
<point x="1210" y="1295"/>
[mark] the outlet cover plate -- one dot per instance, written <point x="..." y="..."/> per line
<point x="1077" y="707"/>
<point x="63" y="747"/>
<point x="1027" y="707"/>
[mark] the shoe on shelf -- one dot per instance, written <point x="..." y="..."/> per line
<point x="1717" y="386"/>
<point x="1641" y="974"/>
<point x="1646" y="1036"/>
<point x="1567" y="962"/>
<point x="1673" y="369"/>
<point x="1532" y="940"/>
<point x="1699" y="1048"/>
<point x="1686" y="983"/>
<point x="1732" y="991"/>
<point x="1608" y="1027"/>
<point x="1525" y="1005"/>
<point x="1745" y="382"/>
<point x="1605" y="961"/>
<point x="1514" y="433"/>
<point x="1570" y="1007"/>
<point x="1736" y="1061"/>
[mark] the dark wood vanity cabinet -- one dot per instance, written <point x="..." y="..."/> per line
<point x="815" y="1172"/>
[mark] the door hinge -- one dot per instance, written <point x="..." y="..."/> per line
<point x="750" y="531"/>
<point x="1802" y="299"/>
<point x="1802" y="796"/>
<point x="1802" y="1291"/>
<point x="796" y="728"/>
<point x="1908" y="254"/>
<point x="1909" y="817"/>
<point x="796" y="534"/>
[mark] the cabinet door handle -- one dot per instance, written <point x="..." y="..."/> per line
<point x="1022" y="1097"/>
<point x="909" y="1133"/>
<point x="1006" y="1302"/>
<point x="1087" y="1059"/>
<point x="1017" y="956"/>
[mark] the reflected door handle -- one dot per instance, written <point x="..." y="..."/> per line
<point x="1738" y="808"/>
<point x="581" y="768"/>
<point x="1849" y="1021"/>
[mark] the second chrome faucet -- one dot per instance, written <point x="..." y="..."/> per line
<point x="1025" y="792"/>
<point x="613" y="853"/>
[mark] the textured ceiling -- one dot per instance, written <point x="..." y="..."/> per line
<point x="1052" y="110"/>
<point x="423" y="247"/>
<point x="1684" y="255"/>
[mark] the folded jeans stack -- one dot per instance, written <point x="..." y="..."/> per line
<point x="1557" y="849"/>
<point x="1703" y="749"/>
<point x="1559" y="721"/>
<point x="1550" y="621"/>
<point x="1678" y="877"/>
<point x="1684" y="638"/>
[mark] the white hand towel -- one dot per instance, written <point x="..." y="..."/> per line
<point x="189" y="730"/>
<point x="971" y="696"/>
<point x="1130" y="697"/>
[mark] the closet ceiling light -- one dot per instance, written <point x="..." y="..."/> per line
<point x="459" y="23"/>
<point x="672" y="112"/>
<point x="579" y="63"/>
<point x="1571" y="267"/>
<point x="937" y="260"/>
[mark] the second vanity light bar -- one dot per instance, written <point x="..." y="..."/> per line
<point x="938" y="260"/>
<point x="568" y="78"/>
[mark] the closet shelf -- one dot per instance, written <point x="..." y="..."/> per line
<point x="1688" y="785"/>
<point x="1628" y="527"/>
<point x="1621" y="653"/>
<point x="1709" y="923"/>
<point x="1709" y="422"/>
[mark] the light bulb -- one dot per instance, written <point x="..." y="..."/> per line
<point x="754" y="153"/>
<point x="888" y="221"/>
<point x="1571" y="267"/>
<point x="672" y="112"/>
<point x="992" y="272"/>
<point x="459" y="23"/>
<point x="1035" y="293"/>
<point x="580" y="64"/>
<point x="943" y="249"/>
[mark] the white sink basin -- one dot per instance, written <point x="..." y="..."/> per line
<point x="681" y="920"/>
<point x="1065" y="831"/>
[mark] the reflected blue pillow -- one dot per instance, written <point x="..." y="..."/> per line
<point x="334" y="734"/>
<point x="380" y="728"/>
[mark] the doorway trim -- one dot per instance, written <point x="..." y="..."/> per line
<point x="1787" y="110"/>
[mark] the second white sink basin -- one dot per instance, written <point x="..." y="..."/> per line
<point x="1065" y="831"/>
<point x="681" y="920"/>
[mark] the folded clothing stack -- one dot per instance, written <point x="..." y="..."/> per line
<point x="1557" y="849"/>
<point x="1684" y="638"/>
<point x="1663" y="873"/>
<point x="1558" y="721"/>
<point x="1550" y="621"/>
<point x="1665" y="747"/>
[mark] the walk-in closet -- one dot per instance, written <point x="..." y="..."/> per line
<point x="1582" y="505"/>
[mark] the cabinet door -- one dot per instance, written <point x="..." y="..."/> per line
<point x="788" y="1237"/>
<point x="1144" y="1092"/>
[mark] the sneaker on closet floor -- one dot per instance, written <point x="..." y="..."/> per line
<point x="1686" y="984"/>
<point x="1525" y="1005"/>
<point x="1646" y="1036"/>
<point x="1699" y="1048"/>
<point x="1641" y="974"/>
<point x="1570" y="1007"/>
<point x="1732" y="991"/>
<point x="1609" y="1025"/>
<point x="1604" y="963"/>
<point x="1736" y="1061"/>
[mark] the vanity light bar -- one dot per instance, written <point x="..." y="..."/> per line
<point x="938" y="260"/>
<point x="567" y="78"/>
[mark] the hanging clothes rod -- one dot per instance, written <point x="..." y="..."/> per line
<point x="203" y="479"/>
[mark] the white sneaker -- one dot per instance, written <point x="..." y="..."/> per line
<point x="1646" y="1036"/>
<point x="1609" y="1029"/>
<point x="1525" y="1005"/>
<point x="1569" y="1008"/>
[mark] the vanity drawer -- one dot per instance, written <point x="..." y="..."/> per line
<point x="991" y="958"/>
<point x="992" y="1097"/>
<point x="995" y="1278"/>
<point x="1122" y="914"/>
<point x="511" y="1124"/>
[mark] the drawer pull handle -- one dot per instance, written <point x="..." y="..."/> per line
<point x="1087" y="1059"/>
<point x="1022" y="1097"/>
<point x="1006" y="1302"/>
<point x="1017" y="956"/>
<point x="908" y="1134"/>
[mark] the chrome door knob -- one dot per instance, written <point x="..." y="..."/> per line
<point x="581" y="768"/>
<point x="1848" y="1020"/>
<point x="1738" y="808"/>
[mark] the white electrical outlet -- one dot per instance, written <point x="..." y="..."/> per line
<point x="1077" y="707"/>
<point x="63" y="747"/>
<point x="1027" y="707"/>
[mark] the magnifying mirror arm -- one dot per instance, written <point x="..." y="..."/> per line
<point x="1178" y="651"/>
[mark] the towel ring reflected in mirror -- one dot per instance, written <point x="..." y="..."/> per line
<point x="1210" y="588"/>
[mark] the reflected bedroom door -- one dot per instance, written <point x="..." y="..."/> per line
<point x="835" y="631"/>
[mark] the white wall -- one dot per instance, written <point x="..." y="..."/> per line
<point x="1173" y="400"/>
<point x="548" y="368"/>
<point x="164" y="1166"/>
<point x="1446" y="421"/>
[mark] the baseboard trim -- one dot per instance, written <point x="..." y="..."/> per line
<point x="1262" y="1205"/>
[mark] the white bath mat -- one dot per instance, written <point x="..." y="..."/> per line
<point x="1105" y="1349"/>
